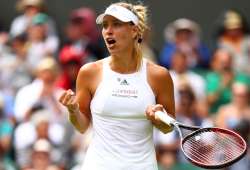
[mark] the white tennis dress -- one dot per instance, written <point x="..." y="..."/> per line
<point x="122" y="135"/>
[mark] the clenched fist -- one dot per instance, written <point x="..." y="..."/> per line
<point x="68" y="99"/>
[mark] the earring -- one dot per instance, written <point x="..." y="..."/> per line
<point x="139" y="40"/>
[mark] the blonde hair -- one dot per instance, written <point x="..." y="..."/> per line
<point x="141" y="12"/>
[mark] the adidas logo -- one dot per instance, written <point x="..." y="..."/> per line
<point x="124" y="82"/>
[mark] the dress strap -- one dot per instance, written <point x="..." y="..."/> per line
<point x="105" y="67"/>
<point x="143" y="69"/>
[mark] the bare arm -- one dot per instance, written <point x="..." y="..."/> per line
<point x="78" y="104"/>
<point x="162" y="85"/>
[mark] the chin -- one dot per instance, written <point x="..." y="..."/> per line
<point x="113" y="52"/>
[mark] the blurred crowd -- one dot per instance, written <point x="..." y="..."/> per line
<point x="211" y="85"/>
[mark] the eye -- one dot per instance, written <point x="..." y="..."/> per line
<point x="117" y="24"/>
<point x="104" y="25"/>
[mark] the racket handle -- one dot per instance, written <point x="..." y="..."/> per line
<point x="164" y="117"/>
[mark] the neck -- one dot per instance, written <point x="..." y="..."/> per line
<point x="123" y="63"/>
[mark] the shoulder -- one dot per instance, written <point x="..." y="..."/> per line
<point x="157" y="72"/>
<point x="90" y="69"/>
<point x="159" y="78"/>
<point x="89" y="74"/>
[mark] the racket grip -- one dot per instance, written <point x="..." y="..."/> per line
<point x="164" y="117"/>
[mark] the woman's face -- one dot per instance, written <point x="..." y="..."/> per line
<point x="119" y="36"/>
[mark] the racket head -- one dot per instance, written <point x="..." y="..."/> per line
<point x="213" y="147"/>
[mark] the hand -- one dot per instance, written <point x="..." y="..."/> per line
<point x="150" y="113"/>
<point x="68" y="99"/>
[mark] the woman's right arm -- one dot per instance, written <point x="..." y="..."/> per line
<point x="78" y="104"/>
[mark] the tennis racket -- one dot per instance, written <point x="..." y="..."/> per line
<point x="209" y="148"/>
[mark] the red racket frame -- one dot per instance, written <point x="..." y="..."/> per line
<point x="214" y="129"/>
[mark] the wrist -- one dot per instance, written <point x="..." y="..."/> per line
<point x="73" y="110"/>
<point x="164" y="127"/>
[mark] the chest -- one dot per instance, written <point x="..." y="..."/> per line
<point x="122" y="97"/>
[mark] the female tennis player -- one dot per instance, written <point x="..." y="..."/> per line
<point x="120" y="94"/>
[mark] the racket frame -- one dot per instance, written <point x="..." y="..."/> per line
<point x="215" y="129"/>
<point x="196" y="129"/>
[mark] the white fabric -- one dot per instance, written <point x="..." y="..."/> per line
<point x="39" y="50"/>
<point x="20" y="24"/>
<point x="119" y="12"/>
<point x="26" y="97"/>
<point x="30" y="95"/>
<point x="122" y="134"/>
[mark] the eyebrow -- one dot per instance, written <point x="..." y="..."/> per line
<point x="112" y="20"/>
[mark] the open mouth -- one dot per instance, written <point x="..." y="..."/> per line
<point x="110" y="41"/>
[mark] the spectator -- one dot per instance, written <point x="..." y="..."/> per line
<point x="167" y="157"/>
<point x="6" y="130"/>
<point x="71" y="62"/>
<point x="41" y="157"/>
<point x="181" y="75"/>
<point x="40" y="44"/>
<point x="238" y="109"/>
<point x="42" y="92"/>
<point x="184" y="35"/>
<point x="14" y="68"/>
<point x="233" y="35"/>
<point x="186" y="110"/>
<point x="28" y="9"/>
<point x="82" y="34"/>
<point x="39" y="127"/>
<point x="220" y="79"/>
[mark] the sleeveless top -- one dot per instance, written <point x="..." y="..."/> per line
<point x="122" y="134"/>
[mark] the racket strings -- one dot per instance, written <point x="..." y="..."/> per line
<point x="205" y="150"/>
<point x="206" y="158"/>
<point x="198" y="155"/>
<point x="215" y="147"/>
<point x="212" y="148"/>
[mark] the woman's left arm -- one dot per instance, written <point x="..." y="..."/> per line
<point x="162" y="85"/>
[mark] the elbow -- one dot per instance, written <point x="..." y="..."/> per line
<point x="81" y="131"/>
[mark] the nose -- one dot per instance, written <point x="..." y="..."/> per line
<point x="108" y="30"/>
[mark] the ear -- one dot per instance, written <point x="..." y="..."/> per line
<point x="135" y="31"/>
